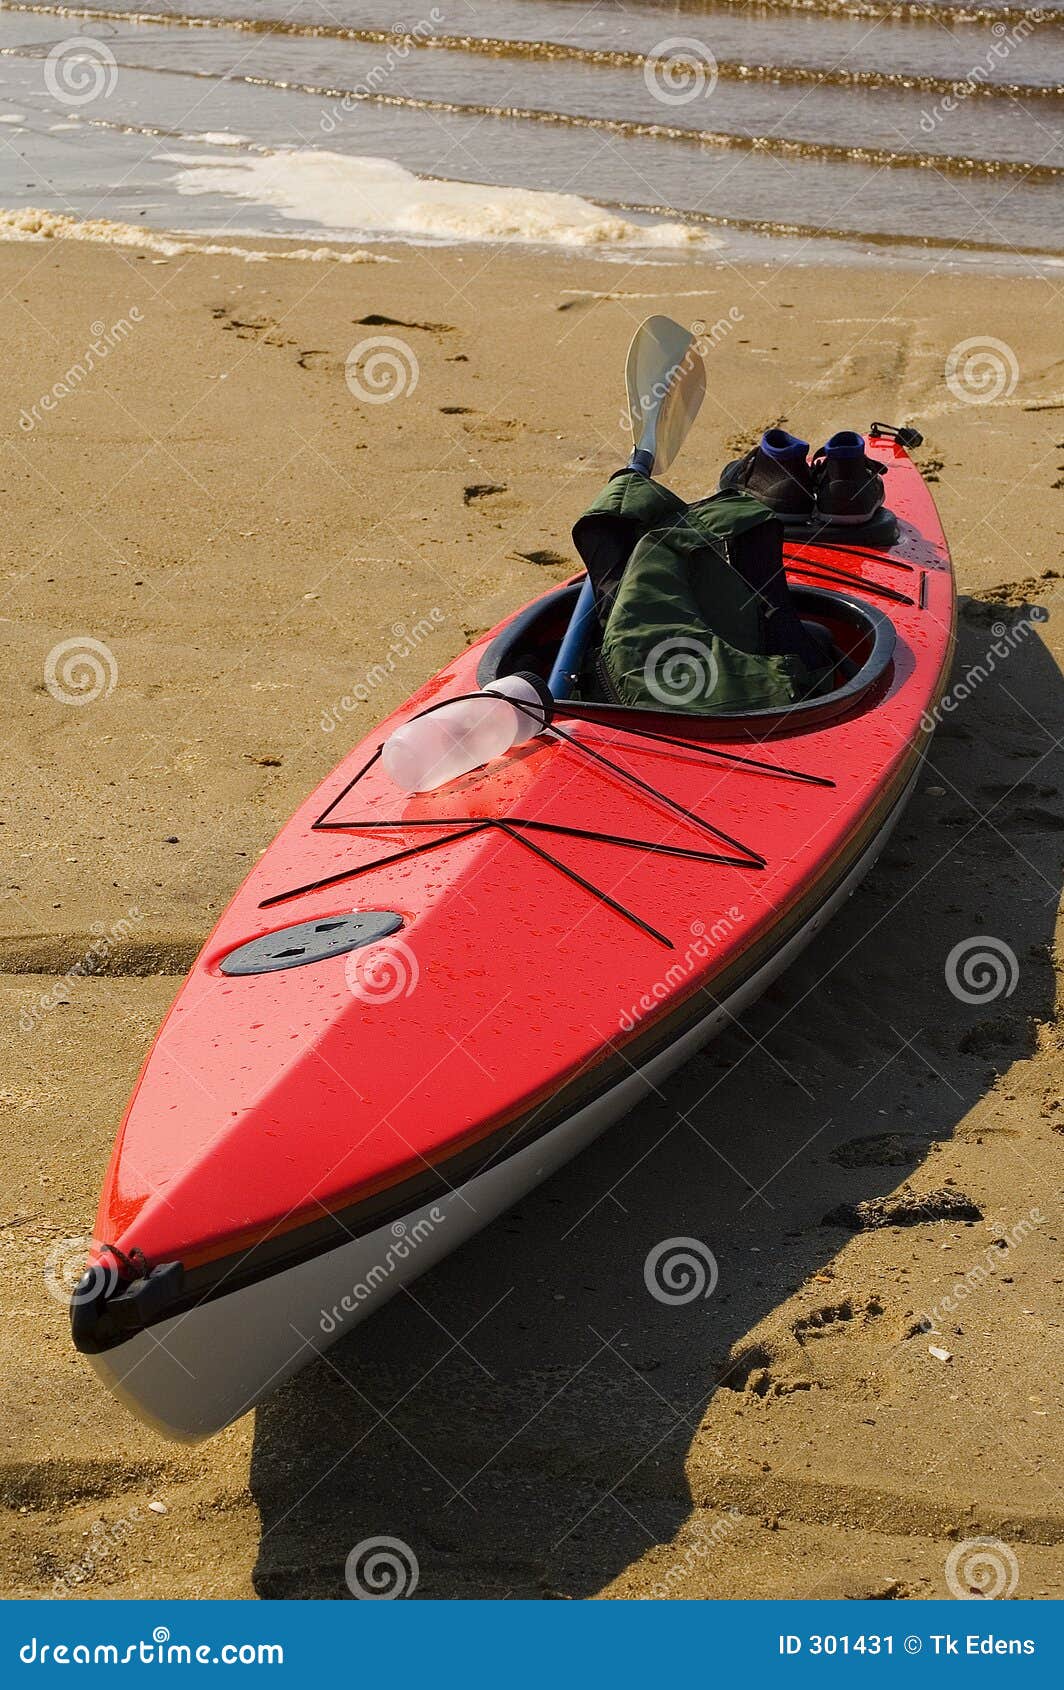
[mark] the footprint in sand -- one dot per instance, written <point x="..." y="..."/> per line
<point x="876" y="363"/>
<point x="881" y="1150"/>
<point x="546" y="558"/>
<point x="315" y="358"/>
<point x="988" y="1038"/>
<point x="494" y="431"/>
<point x="261" y="328"/>
<point x="836" y="1347"/>
<point x="493" y="499"/>
<point x="377" y="320"/>
<point x="841" y="1347"/>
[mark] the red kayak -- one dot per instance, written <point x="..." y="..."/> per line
<point x="417" y="1007"/>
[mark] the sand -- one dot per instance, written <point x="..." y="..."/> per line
<point x="267" y="564"/>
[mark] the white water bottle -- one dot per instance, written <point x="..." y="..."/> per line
<point x="433" y="749"/>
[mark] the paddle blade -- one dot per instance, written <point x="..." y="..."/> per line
<point x="666" y="382"/>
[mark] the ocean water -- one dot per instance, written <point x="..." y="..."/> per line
<point x="930" y="133"/>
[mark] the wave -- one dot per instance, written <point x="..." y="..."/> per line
<point x="487" y="214"/>
<point x="934" y="12"/>
<point x="778" y="146"/>
<point x="33" y="224"/>
<point x="612" y="58"/>
<point x="362" y="196"/>
<point x="903" y="11"/>
<point x="875" y="157"/>
<point x="884" y="239"/>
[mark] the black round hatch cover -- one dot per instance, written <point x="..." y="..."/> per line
<point x="310" y="941"/>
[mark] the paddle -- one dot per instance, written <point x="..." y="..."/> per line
<point x="665" y="380"/>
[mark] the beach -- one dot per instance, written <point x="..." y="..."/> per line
<point x="250" y="504"/>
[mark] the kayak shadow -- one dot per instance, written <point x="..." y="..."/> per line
<point x="527" y="1420"/>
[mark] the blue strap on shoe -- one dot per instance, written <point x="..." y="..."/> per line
<point x="777" y="443"/>
<point x="846" y="444"/>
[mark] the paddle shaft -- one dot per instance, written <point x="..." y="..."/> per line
<point x="568" y="662"/>
<point x="571" y="651"/>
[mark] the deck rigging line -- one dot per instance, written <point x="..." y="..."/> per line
<point x="851" y="551"/>
<point x="824" y="572"/>
<point x="517" y="828"/>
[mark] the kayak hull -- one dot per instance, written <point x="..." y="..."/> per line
<point x="193" y="1374"/>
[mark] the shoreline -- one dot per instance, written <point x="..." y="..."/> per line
<point x="778" y="248"/>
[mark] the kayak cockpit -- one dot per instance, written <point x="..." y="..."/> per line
<point x="862" y="638"/>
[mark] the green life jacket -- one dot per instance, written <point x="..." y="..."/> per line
<point x="693" y="604"/>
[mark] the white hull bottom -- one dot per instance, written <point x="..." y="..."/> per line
<point x="193" y="1374"/>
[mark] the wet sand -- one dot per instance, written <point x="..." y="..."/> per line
<point x="267" y="565"/>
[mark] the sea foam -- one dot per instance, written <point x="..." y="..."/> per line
<point x="374" y="196"/>
<point x="32" y="224"/>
